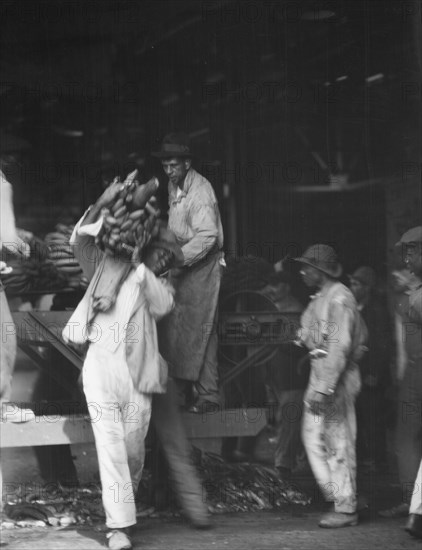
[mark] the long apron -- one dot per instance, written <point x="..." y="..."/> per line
<point x="185" y="332"/>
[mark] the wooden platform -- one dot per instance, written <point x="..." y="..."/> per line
<point x="39" y="332"/>
<point x="76" y="428"/>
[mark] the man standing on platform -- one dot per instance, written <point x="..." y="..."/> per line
<point x="188" y="336"/>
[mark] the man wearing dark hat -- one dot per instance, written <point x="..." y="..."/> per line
<point x="333" y="332"/>
<point x="371" y="405"/>
<point x="188" y="337"/>
<point x="409" y="417"/>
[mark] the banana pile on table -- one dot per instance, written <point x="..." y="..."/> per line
<point x="60" y="253"/>
<point x="131" y="221"/>
<point x="20" y="279"/>
<point x="36" y="273"/>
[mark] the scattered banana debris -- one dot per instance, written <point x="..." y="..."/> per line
<point x="244" y="487"/>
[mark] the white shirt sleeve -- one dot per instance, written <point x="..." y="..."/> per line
<point x="158" y="292"/>
<point x="89" y="230"/>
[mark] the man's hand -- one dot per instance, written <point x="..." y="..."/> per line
<point x="136" y="257"/>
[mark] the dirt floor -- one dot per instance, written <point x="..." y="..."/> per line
<point x="292" y="528"/>
<point x="289" y="527"/>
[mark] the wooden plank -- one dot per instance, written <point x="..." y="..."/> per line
<point x="35" y="328"/>
<point x="53" y="323"/>
<point x="76" y="428"/>
<point x="225" y="423"/>
<point x="47" y="430"/>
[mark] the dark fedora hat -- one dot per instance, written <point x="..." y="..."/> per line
<point x="412" y="236"/>
<point x="167" y="239"/>
<point x="173" y="145"/>
<point x="322" y="257"/>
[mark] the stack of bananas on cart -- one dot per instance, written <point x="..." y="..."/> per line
<point x="36" y="273"/>
<point x="60" y="254"/>
<point x="131" y="220"/>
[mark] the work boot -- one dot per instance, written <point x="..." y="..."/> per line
<point x="119" y="540"/>
<point x="194" y="508"/>
<point x="199" y="520"/>
<point x="414" y="525"/>
<point x="334" y="520"/>
<point x="399" y="511"/>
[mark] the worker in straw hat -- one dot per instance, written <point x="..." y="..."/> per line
<point x="333" y="332"/>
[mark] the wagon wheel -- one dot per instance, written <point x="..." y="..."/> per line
<point x="243" y="355"/>
<point x="248" y="329"/>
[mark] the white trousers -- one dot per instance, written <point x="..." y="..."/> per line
<point x="120" y="418"/>
<point x="416" y="502"/>
<point x="330" y="442"/>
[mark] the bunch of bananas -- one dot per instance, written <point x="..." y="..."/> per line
<point x="18" y="281"/>
<point x="51" y="265"/>
<point x="60" y="253"/>
<point x="32" y="274"/>
<point x="131" y="221"/>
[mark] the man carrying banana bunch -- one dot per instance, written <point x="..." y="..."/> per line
<point x="116" y="318"/>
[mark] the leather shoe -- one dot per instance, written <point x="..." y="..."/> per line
<point x="414" y="525"/>
<point x="399" y="511"/>
<point x="119" y="540"/>
<point x="334" y="520"/>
